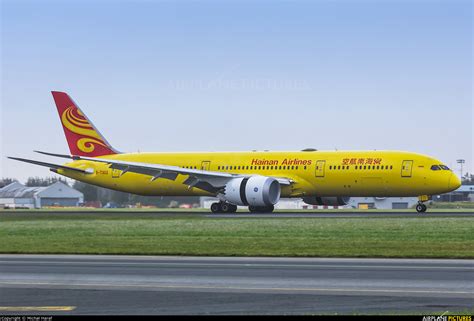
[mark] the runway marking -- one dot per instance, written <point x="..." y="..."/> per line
<point x="249" y="265"/>
<point x="38" y="309"/>
<point x="204" y="287"/>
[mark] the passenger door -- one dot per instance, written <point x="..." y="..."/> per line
<point x="407" y="166"/>
<point x="320" y="164"/>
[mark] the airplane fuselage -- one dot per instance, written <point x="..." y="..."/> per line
<point x="314" y="173"/>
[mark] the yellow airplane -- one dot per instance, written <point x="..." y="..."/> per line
<point x="254" y="179"/>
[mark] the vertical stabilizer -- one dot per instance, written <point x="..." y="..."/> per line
<point x="81" y="135"/>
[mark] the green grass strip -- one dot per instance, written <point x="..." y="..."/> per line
<point x="177" y="234"/>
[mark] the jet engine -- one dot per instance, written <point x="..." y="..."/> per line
<point x="252" y="191"/>
<point x="330" y="201"/>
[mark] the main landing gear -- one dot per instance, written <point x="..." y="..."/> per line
<point x="261" y="209"/>
<point x="223" y="207"/>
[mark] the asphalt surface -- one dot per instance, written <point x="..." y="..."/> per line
<point x="344" y="214"/>
<point x="70" y="284"/>
<point x="296" y="214"/>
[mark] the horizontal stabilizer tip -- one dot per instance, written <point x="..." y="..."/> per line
<point x="51" y="166"/>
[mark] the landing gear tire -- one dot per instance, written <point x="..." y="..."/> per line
<point x="269" y="209"/>
<point x="232" y="208"/>
<point x="261" y="209"/>
<point x="216" y="207"/>
<point x="421" y="208"/>
<point x="226" y="207"/>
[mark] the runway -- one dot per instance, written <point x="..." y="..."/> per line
<point x="342" y="214"/>
<point x="84" y="284"/>
<point x="244" y="214"/>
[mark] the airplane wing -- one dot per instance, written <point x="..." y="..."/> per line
<point x="206" y="180"/>
<point x="51" y="166"/>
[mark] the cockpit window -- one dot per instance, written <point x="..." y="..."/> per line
<point x="446" y="168"/>
<point x="435" y="168"/>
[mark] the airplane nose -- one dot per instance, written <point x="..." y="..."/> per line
<point x="454" y="182"/>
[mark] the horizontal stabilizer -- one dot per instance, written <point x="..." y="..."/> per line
<point x="55" y="155"/>
<point x="51" y="166"/>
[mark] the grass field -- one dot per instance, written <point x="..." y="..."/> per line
<point x="179" y="234"/>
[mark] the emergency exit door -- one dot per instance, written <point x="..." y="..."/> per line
<point x="407" y="166"/>
<point x="205" y="165"/>
<point x="320" y="168"/>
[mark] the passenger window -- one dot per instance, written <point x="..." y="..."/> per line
<point x="304" y="167"/>
<point x="435" y="168"/>
<point x="296" y="167"/>
<point x="339" y="167"/>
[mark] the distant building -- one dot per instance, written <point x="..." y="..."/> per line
<point x="16" y="195"/>
<point x="465" y="193"/>
<point x="383" y="203"/>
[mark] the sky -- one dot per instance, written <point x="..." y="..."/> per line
<point x="239" y="75"/>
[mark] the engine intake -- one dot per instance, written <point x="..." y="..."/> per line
<point x="328" y="201"/>
<point x="253" y="191"/>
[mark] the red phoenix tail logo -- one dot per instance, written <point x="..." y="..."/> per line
<point x="74" y="120"/>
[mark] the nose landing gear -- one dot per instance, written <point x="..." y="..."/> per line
<point x="421" y="207"/>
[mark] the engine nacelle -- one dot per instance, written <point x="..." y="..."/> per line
<point x="328" y="201"/>
<point x="253" y="191"/>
